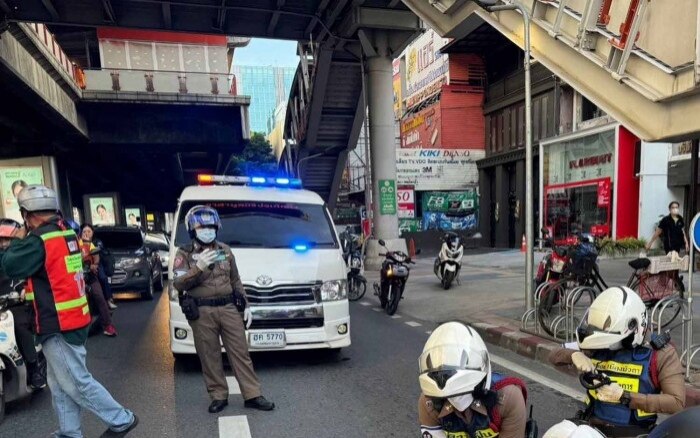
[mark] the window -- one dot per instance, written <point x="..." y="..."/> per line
<point x="257" y="224"/>
<point x="168" y="57"/>
<point x="193" y="58"/>
<point x="141" y="56"/>
<point x="114" y="53"/>
<point x="589" y="110"/>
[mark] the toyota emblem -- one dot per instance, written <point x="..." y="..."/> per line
<point x="263" y="280"/>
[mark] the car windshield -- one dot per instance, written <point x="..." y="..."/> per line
<point x="157" y="241"/>
<point x="114" y="239"/>
<point x="257" y="224"/>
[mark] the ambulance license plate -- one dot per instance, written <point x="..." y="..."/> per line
<point x="273" y="339"/>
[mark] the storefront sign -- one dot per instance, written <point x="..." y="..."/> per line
<point x="398" y="94"/>
<point x="585" y="158"/>
<point x="604" y="189"/>
<point x="426" y="69"/>
<point x="12" y="181"/>
<point x="450" y="202"/>
<point x="409" y="225"/>
<point x="387" y="196"/>
<point x="405" y="196"/>
<point x="438" y="169"/>
<point x="422" y="129"/>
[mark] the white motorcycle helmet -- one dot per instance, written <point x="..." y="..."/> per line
<point x="454" y="362"/>
<point x="567" y="429"/>
<point x="615" y="315"/>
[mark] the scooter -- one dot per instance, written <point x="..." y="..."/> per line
<point x="13" y="368"/>
<point x="448" y="263"/>
<point x="394" y="275"/>
<point x="357" y="283"/>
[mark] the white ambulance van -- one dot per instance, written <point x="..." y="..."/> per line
<point x="288" y="256"/>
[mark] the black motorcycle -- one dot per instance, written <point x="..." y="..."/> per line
<point x="394" y="275"/>
<point x="352" y="254"/>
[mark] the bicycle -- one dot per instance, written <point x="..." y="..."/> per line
<point x="654" y="287"/>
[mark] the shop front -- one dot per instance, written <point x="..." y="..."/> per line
<point x="589" y="184"/>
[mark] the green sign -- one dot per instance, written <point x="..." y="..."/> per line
<point x="387" y="196"/>
<point x="450" y="202"/>
<point x="409" y="225"/>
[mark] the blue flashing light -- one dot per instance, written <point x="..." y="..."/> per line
<point x="257" y="180"/>
<point x="301" y="247"/>
<point x="282" y="181"/>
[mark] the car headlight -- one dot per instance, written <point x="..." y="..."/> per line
<point x="335" y="290"/>
<point x="128" y="263"/>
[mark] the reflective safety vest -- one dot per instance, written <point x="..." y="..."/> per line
<point x="57" y="291"/>
<point x="634" y="370"/>
<point x="481" y="426"/>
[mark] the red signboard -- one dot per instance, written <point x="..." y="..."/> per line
<point x="422" y="129"/>
<point x="405" y="197"/>
<point x="604" y="193"/>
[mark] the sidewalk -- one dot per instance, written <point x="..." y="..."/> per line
<point x="491" y="297"/>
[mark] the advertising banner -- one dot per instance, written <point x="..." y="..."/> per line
<point x="387" y="196"/>
<point x="405" y="197"/>
<point x="445" y="222"/>
<point x="453" y="203"/>
<point x="438" y="169"/>
<point x="102" y="211"/>
<point x="426" y="68"/>
<point x="422" y="129"/>
<point x="410" y="225"/>
<point x="133" y="216"/>
<point x="580" y="159"/>
<point x="604" y="189"/>
<point x="12" y="181"/>
<point x="398" y="92"/>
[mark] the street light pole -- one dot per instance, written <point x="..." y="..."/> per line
<point x="529" y="189"/>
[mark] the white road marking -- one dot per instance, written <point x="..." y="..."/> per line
<point x="365" y="303"/>
<point x="376" y="309"/>
<point x="233" y="387"/>
<point x="234" y="427"/>
<point x="413" y="323"/>
<point x="395" y="316"/>
<point x="553" y="384"/>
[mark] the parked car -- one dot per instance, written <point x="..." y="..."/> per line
<point x="137" y="265"/>
<point x="161" y="243"/>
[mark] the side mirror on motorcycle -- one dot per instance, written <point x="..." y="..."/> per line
<point x="382" y="243"/>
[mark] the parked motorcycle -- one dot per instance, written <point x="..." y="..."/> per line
<point x="449" y="261"/>
<point x="352" y="254"/>
<point x="13" y="368"/>
<point x="393" y="277"/>
<point x="554" y="262"/>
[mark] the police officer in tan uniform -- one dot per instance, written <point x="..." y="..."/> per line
<point x="214" y="302"/>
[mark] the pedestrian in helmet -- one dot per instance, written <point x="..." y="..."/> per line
<point x="460" y="394"/>
<point x="214" y="302"/>
<point x="49" y="258"/>
<point x="647" y="377"/>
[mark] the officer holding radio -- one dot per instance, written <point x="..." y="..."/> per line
<point x="214" y="302"/>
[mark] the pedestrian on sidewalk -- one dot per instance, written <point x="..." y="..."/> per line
<point x="647" y="376"/>
<point x="671" y="229"/>
<point x="214" y="302"/>
<point x="49" y="257"/>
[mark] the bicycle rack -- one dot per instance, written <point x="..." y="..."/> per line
<point x="533" y="313"/>
<point x="571" y="300"/>
<point x="660" y="307"/>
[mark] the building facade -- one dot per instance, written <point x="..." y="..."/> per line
<point x="268" y="87"/>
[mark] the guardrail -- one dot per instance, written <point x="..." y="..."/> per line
<point x="49" y="41"/>
<point x="157" y="81"/>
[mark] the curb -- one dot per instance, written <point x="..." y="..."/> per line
<point x="539" y="349"/>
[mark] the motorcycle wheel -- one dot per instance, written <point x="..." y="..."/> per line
<point x="394" y="298"/>
<point x="357" y="287"/>
<point x="383" y="300"/>
<point x="447" y="279"/>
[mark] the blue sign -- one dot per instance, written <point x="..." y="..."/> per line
<point x="695" y="231"/>
<point x="3" y="336"/>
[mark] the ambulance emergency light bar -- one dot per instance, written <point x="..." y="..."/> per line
<point x="255" y="181"/>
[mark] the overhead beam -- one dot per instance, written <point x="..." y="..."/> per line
<point x="275" y="18"/>
<point x="340" y="4"/>
<point x="109" y="11"/>
<point x="48" y="5"/>
<point x="167" y="17"/>
<point x="221" y="18"/>
<point x="393" y="3"/>
<point x="314" y="21"/>
<point x="320" y="84"/>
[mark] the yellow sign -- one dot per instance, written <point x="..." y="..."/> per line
<point x="619" y="368"/>
<point x="74" y="263"/>
<point x="150" y="217"/>
<point x="484" y="433"/>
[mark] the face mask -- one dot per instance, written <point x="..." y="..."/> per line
<point x="205" y="235"/>
<point x="462" y="402"/>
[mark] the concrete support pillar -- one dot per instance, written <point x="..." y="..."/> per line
<point x="382" y="148"/>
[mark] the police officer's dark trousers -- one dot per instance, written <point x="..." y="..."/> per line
<point x="227" y="322"/>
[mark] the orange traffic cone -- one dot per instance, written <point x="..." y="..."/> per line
<point x="523" y="245"/>
<point x="411" y="248"/>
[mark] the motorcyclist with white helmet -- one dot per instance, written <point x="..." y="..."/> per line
<point x="647" y="376"/>
<point x="461" y="396"/>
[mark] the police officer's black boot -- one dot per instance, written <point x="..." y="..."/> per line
<point x="217" y="406"/>
<point x="259" y="403"/>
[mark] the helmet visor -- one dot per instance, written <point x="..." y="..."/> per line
<point x="592" y="336"/>
<point x="452" y="357"/>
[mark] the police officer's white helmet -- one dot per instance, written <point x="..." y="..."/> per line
<point x="567" y="429"/>
<point x="614" y="316"/>
<point x="454" y="362"/>
<point x="37" y="198"/>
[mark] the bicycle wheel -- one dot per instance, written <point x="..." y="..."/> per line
<point x="674" y="309"/>
<point x="549" y="307"/>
